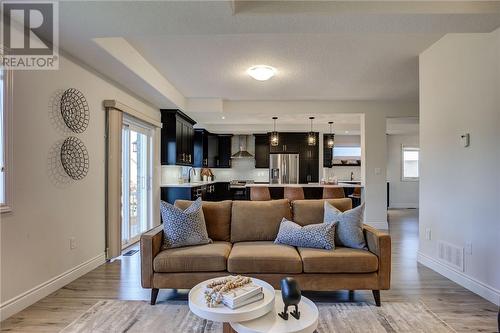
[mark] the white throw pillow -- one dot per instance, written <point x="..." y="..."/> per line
<point x="349" y="231"/>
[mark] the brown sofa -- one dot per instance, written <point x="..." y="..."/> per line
<point x="243" y="233"/>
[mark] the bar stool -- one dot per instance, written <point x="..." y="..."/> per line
<point x="260" y="193"/>
<point x="333" y="192"/>
<point x="294" y="193"/>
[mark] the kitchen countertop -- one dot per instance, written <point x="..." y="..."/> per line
<point x="340" y="184"/>
<point x="192" y="184"/>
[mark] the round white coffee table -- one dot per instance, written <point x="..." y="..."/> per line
<point x="271" y="322"/>
<point x="226" y="315"/>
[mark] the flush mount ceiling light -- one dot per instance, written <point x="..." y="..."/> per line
<point x="261" y="72"/>
<point x="331" y="137"/>
<point x="274" y="135"/>
<point x="311" y="137"/>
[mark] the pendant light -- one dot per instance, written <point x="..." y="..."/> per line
<point x="274" y="140"/>
<point x="311" y="137"/>
<point x="330" y="142"/>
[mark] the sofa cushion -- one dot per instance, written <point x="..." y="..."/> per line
<point x="183" y="227"/>
<point x="340" y="260"/>
<point x="349" y="231"/>
<point x="311" y="211"/>
<point x="258" y="220"/>
<point x="318" y="235"/>
<point x="263" y="257"/>
<point x="217" y="217"/>
<point x="199" y="258"/>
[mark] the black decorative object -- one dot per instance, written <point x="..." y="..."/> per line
<point x="74" y="158"/>
<point x="291" y="294"/>
<point x="75" y="110"/>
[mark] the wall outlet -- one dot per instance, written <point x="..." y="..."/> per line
<point x="468" y="248"/>
<point x="72" y="243"/>
<point x="428" y="233"/>
<point x="378" y="171"/>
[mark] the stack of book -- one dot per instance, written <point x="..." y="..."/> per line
<point x="241" y="296"/>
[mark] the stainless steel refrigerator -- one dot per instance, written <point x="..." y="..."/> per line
<point x="284" y="168"/>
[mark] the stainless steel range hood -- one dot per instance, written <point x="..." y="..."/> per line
<point x="242" y="153"/>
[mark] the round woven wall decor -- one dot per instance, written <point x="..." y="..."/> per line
<point x="75" y="110"/>
<point x="75" y="158"/>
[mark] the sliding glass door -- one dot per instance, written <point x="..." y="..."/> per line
<point x="137" y="170"/>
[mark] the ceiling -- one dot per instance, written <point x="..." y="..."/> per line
<point x="333" y="50"/>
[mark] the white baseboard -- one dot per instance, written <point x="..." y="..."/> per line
<point x="379" y="225"/>
<point x="477" y="287"/>
<point x="403" y="205"/>
<point x="18" y="303"/>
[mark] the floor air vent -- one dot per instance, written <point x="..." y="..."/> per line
<point x="130" y="253"/>
<point x="451" y="255"/>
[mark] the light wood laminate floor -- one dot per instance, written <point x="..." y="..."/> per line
<point x="460" y="308"/>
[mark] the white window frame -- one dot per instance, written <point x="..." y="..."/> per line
<point x="7" y="140"/>
<point x="140" y="126"/>
<point x="408" y="148"/>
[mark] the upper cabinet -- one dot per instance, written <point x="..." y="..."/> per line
<point x="212" y="150"/>
<point x="261" y="150"/>
<point x="289" y="143"/>
<point x="224" y="154"/>
<point x="327" y="153"/>
<point x="177" y="138"/>
<point x="206" y="149"/>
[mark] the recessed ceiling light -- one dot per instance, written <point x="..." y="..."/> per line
<point x="223" y="117"/>
<point x="261" y="72"/>
<point x="346" y="132"/>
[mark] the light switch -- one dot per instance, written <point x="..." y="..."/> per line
<point x="378" y="171"/>
<point x="465" y="138"/>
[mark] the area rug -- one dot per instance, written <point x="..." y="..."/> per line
<point x="172" y="317"/>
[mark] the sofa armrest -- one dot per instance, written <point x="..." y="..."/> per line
<point x="150" y="246"/>
<point x="379" y="243"/>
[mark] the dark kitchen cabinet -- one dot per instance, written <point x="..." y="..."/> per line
<point x="200" y="148"/>
<point x="177" y="138"/>
<point x="206" y="149"/>
<point x="223" y="191"/>
<point x="288" y="143"/>
<point x="210" y="192"/>
<point x="261" y="150"/>
<point x="327" y="153"/>
<point x="223" y="159"/>
<point x="309" y="161"/>
<point x="308" y="171"/>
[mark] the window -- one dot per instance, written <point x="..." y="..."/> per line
<point x="410" y="160"/>
<point x="5" y="140"/>
<point x="346" y="151"/>
<point x="137" y="173"/>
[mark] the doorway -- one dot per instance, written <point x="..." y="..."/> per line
<point x="137" y="170"/>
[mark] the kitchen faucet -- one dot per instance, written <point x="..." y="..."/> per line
<point x="352" y="175"/>
<point x="189" y="173"/>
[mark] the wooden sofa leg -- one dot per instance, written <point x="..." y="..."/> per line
<point x="154" y="295"/>
<point x="376" y="295"/>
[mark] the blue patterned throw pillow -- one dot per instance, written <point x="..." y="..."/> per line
<point x="183" y="227"/>
<point x="318" y="236"/>
<point x="349" y="231"/>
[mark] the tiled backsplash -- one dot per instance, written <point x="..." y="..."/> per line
<point x="242" y="169"/>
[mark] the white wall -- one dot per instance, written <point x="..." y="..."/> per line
<point x="402" y="194"/>
<point x="48" y="208"/>
<point x="374" y="168"/>
<point x="460" y="187"/>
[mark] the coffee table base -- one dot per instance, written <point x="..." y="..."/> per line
<point x="226" y="328"/>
